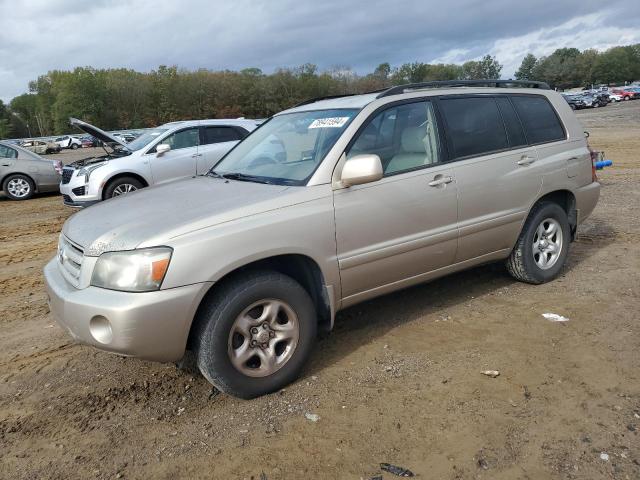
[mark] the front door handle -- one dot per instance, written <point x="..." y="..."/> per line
<point x="526" y="160"/>
<point x="440" y="180"/>
<point x="195" y="155"/>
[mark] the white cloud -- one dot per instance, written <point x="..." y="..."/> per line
<point x="588" y="31"/>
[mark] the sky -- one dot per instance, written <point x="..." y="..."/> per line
<point x="41" y="35"/>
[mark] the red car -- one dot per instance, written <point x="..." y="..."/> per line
<point x="626" y="93"/>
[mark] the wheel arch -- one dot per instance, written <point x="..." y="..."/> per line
<point x="565" y="199"/>
<point x="118" y="175"/>
<point x="302" y="268"/>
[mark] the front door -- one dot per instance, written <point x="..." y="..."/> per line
<point x="391" y="232"/>
<point x="180" y="161"/>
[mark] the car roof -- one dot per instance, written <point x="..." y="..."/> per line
<point x="240" y="122"/>
<point x="361" y="101"/>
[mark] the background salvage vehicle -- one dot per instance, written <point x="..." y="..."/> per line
<point x="67" y="141"/>
<point x="171" y="151"/>
<point x="326" y="205"/>
<point x="41" y="147"/>
<point x="23" y="173"/>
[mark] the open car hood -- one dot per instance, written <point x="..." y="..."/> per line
<point x="96" y="132"/>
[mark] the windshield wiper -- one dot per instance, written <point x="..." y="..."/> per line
<point x="242" y="177"/>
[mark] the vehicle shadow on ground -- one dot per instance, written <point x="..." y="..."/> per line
<point x="365" y="322"/>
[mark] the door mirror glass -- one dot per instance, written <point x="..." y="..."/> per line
<point x="162" y="149"/>
<point x="361" y="169"/>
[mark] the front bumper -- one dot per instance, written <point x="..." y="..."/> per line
<point x="78" y="193"/>
<point x="151" y="325"/>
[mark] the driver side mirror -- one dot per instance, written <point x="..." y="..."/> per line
<point x="361" y="169"/>
<point x="162" y="149"/>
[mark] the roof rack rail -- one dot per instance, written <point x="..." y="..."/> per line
<point x="397" y="90"/>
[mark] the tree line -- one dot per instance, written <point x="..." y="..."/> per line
<point x="126" y="99"/>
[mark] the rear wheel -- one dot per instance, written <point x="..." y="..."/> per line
<point x="122" y="186"/>
<point x="18" y="187"/>
<point x="543" y="245"/>
<point x="254" y="334"/>
<point x="74" y="146"/>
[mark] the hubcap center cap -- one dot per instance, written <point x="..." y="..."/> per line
<point x="262" y="336"/>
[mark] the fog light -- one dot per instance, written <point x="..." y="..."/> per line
<point x="100" y="329"/>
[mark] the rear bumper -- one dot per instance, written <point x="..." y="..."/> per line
<point x="151" y="325"/>
<point x="586" y="200"/>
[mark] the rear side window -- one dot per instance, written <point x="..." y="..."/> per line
<point x="539" y="119"/>
<point x="220" y="135"/>
<point x="511" y="123"/>
<point x="6" y="152"/>
<point x="474" y="125"/>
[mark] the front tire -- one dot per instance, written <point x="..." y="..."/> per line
<point x="122" y="186"/>
<point x="543" y="245"/>
<point x="18" y="187"/>
<point x="254" y="334"/>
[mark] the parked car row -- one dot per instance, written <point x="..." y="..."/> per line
<point x="325" y="205"/>
<point x="581" y="100"/>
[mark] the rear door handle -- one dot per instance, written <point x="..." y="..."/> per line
<point x="526" y="160"/>
<point x="195" y="155"/>
<point x="440" y="180"/>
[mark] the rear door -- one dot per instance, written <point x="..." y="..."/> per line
<point x="495" y="169"/>
<point x="181" y="160"/>
<point x="215" y="142"/>
<point x="8" y="158"/>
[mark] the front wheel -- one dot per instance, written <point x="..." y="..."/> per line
<point x="254" y="334"/>
<point x="543" y="245"/>
<point x="122" y="186"/>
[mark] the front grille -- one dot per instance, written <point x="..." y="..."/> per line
<point x="78" y="191"/>
<point x="70" y="258"/>
<point x="67" y="173"/>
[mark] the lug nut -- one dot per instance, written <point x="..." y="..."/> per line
<point x="253" y="343"/>
<point x="272" y="334"/>
<point x="264" y="325"/>
<point x="265" y="345"/>
<point x="254" y="330"/>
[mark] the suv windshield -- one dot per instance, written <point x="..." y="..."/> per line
<point x="287" y="149"/>
<point x="144" y="139"/>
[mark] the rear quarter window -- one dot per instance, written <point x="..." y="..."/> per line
<point x="540" y="121"/>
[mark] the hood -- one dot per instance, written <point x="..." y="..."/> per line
<point x="153" y="216"/>
<point x="95" y="131"/>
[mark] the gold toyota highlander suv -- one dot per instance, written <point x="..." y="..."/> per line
<point x="331" y="203"/>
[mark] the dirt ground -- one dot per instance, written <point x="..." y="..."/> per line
<point x="398" y="380"/>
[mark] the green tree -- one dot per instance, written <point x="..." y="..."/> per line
<point x="525" y="72"/>
<point x="487" y="67"/>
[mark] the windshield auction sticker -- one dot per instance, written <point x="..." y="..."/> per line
<point x="332" y="122"/>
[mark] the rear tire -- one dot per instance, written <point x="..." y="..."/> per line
<point x="543" y="245"/>
<point x="74" y="146"/>
<point x="122" y="186"/>
<point x="18" y="187"/>
<point x="230" y="327"/>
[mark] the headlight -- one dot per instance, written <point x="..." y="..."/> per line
<point x="133" y="270"/>
<point x="86" y="171"/>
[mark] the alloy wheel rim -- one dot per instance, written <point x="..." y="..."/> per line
<point x="547" y="243"/>
<point x="18" y="187"/>
<point x="123" y="189"/>
<point x="263" y="338"/>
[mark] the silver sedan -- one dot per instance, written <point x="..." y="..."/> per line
<point x="24" y="173"/>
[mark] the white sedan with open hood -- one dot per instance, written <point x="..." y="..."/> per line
<point x="168" y="152"/>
